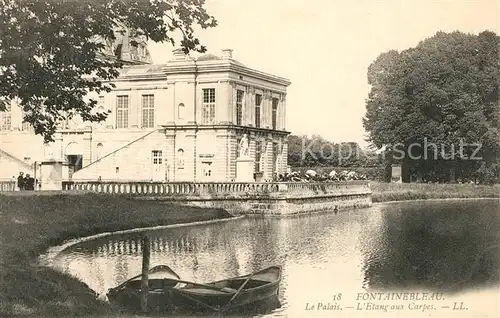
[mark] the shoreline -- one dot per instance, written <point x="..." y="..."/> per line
<point x="389" y="192"/>
<point x="52" y="223"/>
<point x="47" y="258"/>
<point x="436" y="199"/>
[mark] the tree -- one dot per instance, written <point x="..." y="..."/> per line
<point x="50" y="50"/>
<point x="442" y="98"/>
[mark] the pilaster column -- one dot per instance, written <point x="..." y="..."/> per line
<point x="221" y="159"/>
<point x="264" y="109"/>
<point x="252" y="147"/>
<point x="133" y="113"/>
<point x="249" y="106"/>
<point x="284" y="157"/>
<point x="268" y="159"/>
<point x="232" y="102"/>
<point x="87" y="149"/>
<point x="282" y="112"/>
<point x="232" y="153"/>
<point x="197" y="108"/>
<point x="223" y="102"/>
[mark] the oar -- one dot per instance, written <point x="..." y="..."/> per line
<point x="195" y="300"/>
<point x="238" y="292"/>
<point x="199" y="284"/>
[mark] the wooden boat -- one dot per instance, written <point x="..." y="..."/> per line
<point x="228" y="294"/>
<point x="167" y="293"/>
<point x="128" y="294"/>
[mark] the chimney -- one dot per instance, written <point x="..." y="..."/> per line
<point x="125" y="49"/>
<point x="227" y="54"/>
<point x="179" y="55"/>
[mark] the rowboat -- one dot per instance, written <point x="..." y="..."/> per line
<point x="228" y="294"/>
<point x="172" y="293"/>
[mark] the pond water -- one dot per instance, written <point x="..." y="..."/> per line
<point x="329" y="260"/>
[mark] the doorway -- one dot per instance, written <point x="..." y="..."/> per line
<point x="157" y="166"/>
<point x="75" y="163"/>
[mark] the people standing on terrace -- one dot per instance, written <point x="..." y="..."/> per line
<point x="20" y="181"/>
<point x="29" y="182"/>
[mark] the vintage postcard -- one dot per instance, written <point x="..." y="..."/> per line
<point x="235" y="158"/>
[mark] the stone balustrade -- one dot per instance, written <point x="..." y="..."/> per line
<point x="6" y="186"/>
<point x="248" y="198"/>
<point x="219" y="189"/>
<point x="172" y="188"/>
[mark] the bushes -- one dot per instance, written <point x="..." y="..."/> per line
<point x="383" y="192"/>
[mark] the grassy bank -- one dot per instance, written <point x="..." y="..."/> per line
<point x="384" y="192"/>
<point x="30" y="224"/>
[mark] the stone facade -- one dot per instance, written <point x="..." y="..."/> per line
<point x="181" y="121"/>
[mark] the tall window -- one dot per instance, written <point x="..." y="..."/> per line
<point x="148" y="111"/>
<point x="208" y="105"/>
<point x="258" y="101"/>
<point x="157" y="157"/>
<point x="239" y="107"/>
<point x="6" y="119"/>
<point x="26" y="126"/>
<point x="122" y="111"/>
<point x="275" y="110"/>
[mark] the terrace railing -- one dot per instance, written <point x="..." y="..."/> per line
<point x="216" y="189"/>
<point x="7" y="185"/>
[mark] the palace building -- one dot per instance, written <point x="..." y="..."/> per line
<point x="179" y="121"/>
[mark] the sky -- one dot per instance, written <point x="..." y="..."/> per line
<point x="324" y="47"/>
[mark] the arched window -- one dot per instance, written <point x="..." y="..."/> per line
<point x="180" y="158"/>
<point x="180" y="111"/>
<point x="99" y="150"/>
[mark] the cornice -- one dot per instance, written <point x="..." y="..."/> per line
<point x="193" y="67"/>
<point x="140" y="77"/>
<point x="225" y="126"/>
<point x="224" y="66"/>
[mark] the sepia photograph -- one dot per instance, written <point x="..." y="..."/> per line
<point x="237" y="158"/>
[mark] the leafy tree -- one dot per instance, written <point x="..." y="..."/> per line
<point x="50" y="50"/>
<point x="315" y="151"/>
<point x="442" y="97"/>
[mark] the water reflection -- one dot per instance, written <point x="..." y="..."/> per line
<point x="439" y="245"/>
<point x="449" y="245"/>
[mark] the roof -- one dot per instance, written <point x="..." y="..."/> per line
<point x="186" y="64"/>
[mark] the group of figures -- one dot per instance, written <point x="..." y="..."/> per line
<point x="311" y="175"/>
<point x="25" y="182"/>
